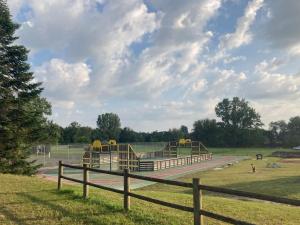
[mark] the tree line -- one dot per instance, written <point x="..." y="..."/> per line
<point x="239" y="126"/>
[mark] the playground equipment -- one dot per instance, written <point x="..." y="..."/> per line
<point x="127" y="158"/>
<point x="112" y="142"/>
<point x="98" y="153"/>
<point x="169" y="157"/>
<point x="259" y="156"/>
<point x="184" y="142"/>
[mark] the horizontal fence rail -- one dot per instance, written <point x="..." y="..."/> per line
<point x="196" y="186"/>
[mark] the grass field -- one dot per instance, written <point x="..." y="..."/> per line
<point x="64" y="151"/>
<point x="30" y="200"/>
<point x="219" y="151"/>
<point x="247" y="151"/>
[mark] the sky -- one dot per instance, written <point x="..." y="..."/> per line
<point x="160" y="64"/>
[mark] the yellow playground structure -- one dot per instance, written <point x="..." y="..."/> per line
<point x="98" y="153"/>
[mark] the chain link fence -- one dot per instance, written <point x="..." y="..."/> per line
<point x="48" y="156"/>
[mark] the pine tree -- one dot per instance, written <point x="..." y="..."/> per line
<point x="22" y="109"/>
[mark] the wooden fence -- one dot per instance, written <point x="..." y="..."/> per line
<point x="197" y="187"/>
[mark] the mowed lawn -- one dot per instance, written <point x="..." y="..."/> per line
<point x="216" y="151"/>
<point x="32" y="200"/>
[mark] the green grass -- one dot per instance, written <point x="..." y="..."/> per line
<point x="31" y="200"/>
<point x="247" y="151"/>
<point x="63" y="152"/>
<point x="216" y="151"/>
<point x="283" y="181"/>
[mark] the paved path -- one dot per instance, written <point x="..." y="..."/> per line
<point x="171" y="173"/>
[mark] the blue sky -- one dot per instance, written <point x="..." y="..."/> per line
<point x="160" y="64"/>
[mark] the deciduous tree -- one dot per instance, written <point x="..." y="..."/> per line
<point x="237" y="113"/>
<point x="109" y="125"/>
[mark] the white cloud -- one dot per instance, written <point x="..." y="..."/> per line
<point x="174" y="60"/>
<point x="282" y="28"/>
<point x="14" y="6"/>
<point x="199" y="85"/>
<point x="152" y="63"/>
<point x="242" y="35"/>
<point x="231" y="59"/>
<point x="67" y="105"/>
<point x="268" y="83"/>
<point x="279" y="109"/>
<point x="63" y="81"/>
<point x="85" y="33"/>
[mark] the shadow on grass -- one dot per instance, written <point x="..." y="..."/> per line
<point x="14" y="193"/>
<point x="64" y="212"/>
<point x="135" y="216"/>
<point x="85" y="216"/>
<point x="281" y="187"/>
<point x="11" y="216"/>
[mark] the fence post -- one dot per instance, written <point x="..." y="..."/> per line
<point x="126" y="190"/>
<point x="110" y="160"/>
<point x="60" y="173"/>
<point x="85" y="180"/>
<point x="197" y="199"/>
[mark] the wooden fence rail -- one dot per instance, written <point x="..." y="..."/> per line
<point x="197" y="187"/>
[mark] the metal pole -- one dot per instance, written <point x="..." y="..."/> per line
<point x="68" y="152"/>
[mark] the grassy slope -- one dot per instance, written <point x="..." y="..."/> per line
<point x="27" y="200"/>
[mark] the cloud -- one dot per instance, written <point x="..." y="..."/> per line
<point x="156" y="63"/>
<point x="174" y="59"/>
<point x="231" y="59"/>
<point x="81" y="32"/>
<point x="268" y="83"/>
<point x="63" y="81"/>
<point x="281" y="29"/>
<point x="66" y="105"/>
<point x="242" y="36"/>
<point x="14" y="6"/>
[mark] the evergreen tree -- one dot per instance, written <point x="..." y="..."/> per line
<point x="22" y="110"/>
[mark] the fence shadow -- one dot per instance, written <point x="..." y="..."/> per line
<point x="84" y="217"/>
<point x="286" y="186"/>
<point x="103" y="208"/>
<point x="11" y="216"/>
<point x="54" y="200"/>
